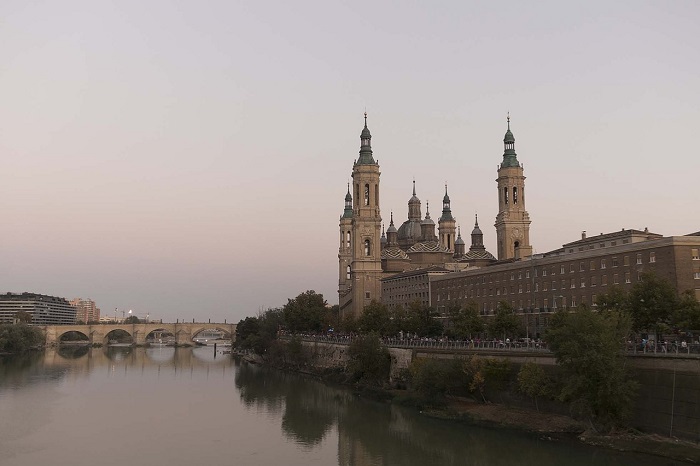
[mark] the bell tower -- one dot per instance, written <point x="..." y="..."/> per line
<point x="365" y="232"/>
<point x="513" y="221"/>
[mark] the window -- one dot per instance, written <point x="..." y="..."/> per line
<point x="694" y="253"/>
<point x="604" y="280"/>
<point x="554" y="285"/>
<point x="544" y="272"/>
<point x="527" y="273"/>
<point x="614" y="261"/>
<point x="627" y="277"/>
<point x="546" y="303"/>
<point x="615" y="279"/>
<point x="639" y="259"/>
<point x="602" y="263"/>
<point x="520" y="288"/>
<point x="602" y="245"/>
<point x="512" y="276"/>
<point x="697" y="275"/>
<point x="347" y="239"/>
<point x="367" y="295"/>
<point x="581" y="267"/>
<point x="348" y="273"/>
<point x="592" y="265"/>
<point x="515" y="195"/>
<point x="593" y="280"/>
<point x="528" y="288"/>
<point x="505" y="195"/>
<point x="594" y="300"/>
<point x="562" y="269"/>
<point x="652" y="257"/>
<point x="368" y="249"/>
<point x="573" y="301"/>
<point x="626" y="261"/>
<point x="520" y="275"/>
<point x="544" y="286"/>
<point x="583" y="282"/>
<point x="366" y="194"/>
<point x="613" y="243"/>
<point x="573" y="283"/>
<point x="537" y="287"/>
<point x="571" y="268"/>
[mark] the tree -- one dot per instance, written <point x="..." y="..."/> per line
<point x="505" y="322"/>
<point x="19" y="337"/>
<point x="588" y="347"/>
<point x="374" y="318"/>
<point x="132" y="320"/>
<point x="305" y="313"/>
<point x="652" y="300"/>
<point x="532" y="381"/>
<point x="421" y="320"/>
<point x="370" y="361"/>
<point x="615" y="299"/>
<point x="23" y="317"/>
<point x="687" y="314"/>
<point x="466" y="321"/>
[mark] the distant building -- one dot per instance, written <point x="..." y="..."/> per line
<point x="86" y="310"/>
<point x="45" y="310"/>
<point x="406" y="288"/>
<point x="575" y="274"/>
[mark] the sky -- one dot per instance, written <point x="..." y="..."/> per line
<point x="189" y="160"/>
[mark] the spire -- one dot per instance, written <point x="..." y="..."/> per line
<point x="382" y="240"/>
<point x="414" y="205"/>
<point x="347" y="213"/>
<point x="477" y="235"/>
<point x="392" y="233"/>
<point x="446" y="210"/>
<point x="366" y="146"/>
<point x="509" y="155"/>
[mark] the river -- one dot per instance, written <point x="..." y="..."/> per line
<point x="191" y="406"/>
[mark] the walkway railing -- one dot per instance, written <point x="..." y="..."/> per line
<point x="668" y="350"/>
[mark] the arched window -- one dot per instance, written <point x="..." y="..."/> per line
<point x="515" y="194"/>
<point x="505" y="195"/>
<point x="347" y="240"/>
<point x="368" y="249"/>
<point x="366" y="194"/>
<point x="348" y="273"/>
<point x="376" y="194"/>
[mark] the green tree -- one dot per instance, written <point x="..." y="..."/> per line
<point x="23" y="317"/>
<point x="435" y="379"/>
<point x="652" y="300"/>
<point x="369" y="361"/>
<point x="422" y="320"/>
<point x="466" y="321"/>
<point x="615" y="299"/>
<point x="687" y="314"/>
<point x="132" y="320"/>
<point x="588" y="347"/>
<point x="305" y="313"/>
<point x="19" y="337"/>
<point x="505" y="323"/>
<point x="532" y="381"/>
<point x="374" y="318"/>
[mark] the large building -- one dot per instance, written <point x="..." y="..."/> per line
<point x="367" y="254"/>
<point x="45" y="310"/>
<point x="86" y="310"/>
<point x="412" y="262"/>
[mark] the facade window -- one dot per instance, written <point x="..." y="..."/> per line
<point x="694" y="254"/>
<point x="602" y="245"/>
<point x="562" y="269"/>
<point x="520" y="275"/>
<point x="554" y="285"/>
<point x="544" y="272"/>
<point x="583" y="282"/>
<point x="366" y="194"/>
<point x="604" y="280"/>
<point x="544" y="286"/>
<point x="571" y="268"/>
<point x="627" y="277"/>
<point x="537" y="287"/>
<point x="594" y="300"/>
<point x="520" y="288"/>
<point x="652" y="257"/>
<point x="639" y="259"/>
<point x="515" y="194"/>
<point x="593" y="280"/>
<point x="527" y="274"/>
<point x="512" y="276"/>
<point x="602" y="263"/>
<point x="348" y="273"/>
<point x="581" y="267"/>
<point x="505" y="195"/>
<point x="615" y="279"/>
<point x="545" y="303"/>
<point x="573" y="283"/>
<point x="626" y="261"/>
<point x="613" y="243"/>
<point x="563" y="284"/>
<point x="573" y="301"/>
<point x="367" y="295"/>
<point x="347" y="240"/>
<point x="528" y="288"/>
<point x="614" y="261"/>
<point x="592" y="265"/>
<point x="368" y="248"/>
<point x="697" y="275"/>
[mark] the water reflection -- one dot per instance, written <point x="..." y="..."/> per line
<point x="182" y="403"/>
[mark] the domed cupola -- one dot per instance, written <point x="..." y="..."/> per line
<point x="509" y="156"/>
<point x="477" y="235"/>
<point x="414" y="205"/>
<point x="459" y="243"/>
<point x="446" y="210"/>
<point x="427" y="226"/>
<point x="366" y="146"/>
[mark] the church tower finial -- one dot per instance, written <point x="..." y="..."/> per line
<point x="366" y="146"/>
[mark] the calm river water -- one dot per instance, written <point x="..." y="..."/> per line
<point x="168" y="406"/>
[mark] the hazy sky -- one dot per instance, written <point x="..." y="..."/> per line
<point x="190" y="159"/>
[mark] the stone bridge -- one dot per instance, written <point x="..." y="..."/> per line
<point x="184" y="332"/>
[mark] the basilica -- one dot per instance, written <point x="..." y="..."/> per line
<point x="367" y="254"/>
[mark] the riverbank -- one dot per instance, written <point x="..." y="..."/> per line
<point x="554" y="427"/>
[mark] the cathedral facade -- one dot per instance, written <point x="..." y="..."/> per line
<point x="367" y="254"/>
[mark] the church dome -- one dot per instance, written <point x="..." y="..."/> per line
<point x="459" y="240"/>
<point x="410" y="230"/>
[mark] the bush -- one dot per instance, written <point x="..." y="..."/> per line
<point x="370" y="361"/>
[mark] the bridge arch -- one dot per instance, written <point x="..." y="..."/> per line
<point x="67" y="335"/>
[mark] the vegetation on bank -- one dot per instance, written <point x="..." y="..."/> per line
<point x="591" y="381"/>
<point x="16" y="338"/>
